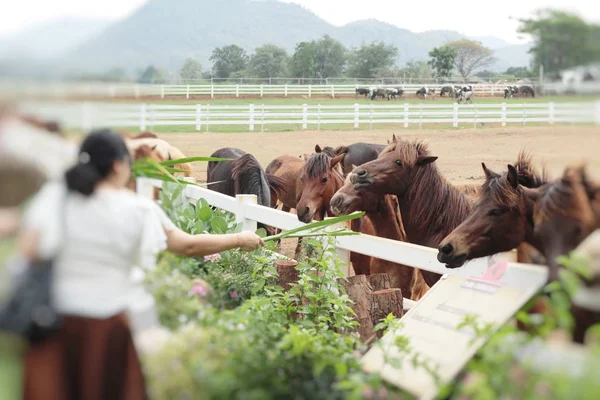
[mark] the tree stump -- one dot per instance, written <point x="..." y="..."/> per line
<point x="379" y="281"/>
<point x="385" y="302"/>
<point x="360" y="292"/>
<point x="286" y="273"/>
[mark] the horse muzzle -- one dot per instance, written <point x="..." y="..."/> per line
<point x="339" y="204"/>
<point x="361" y="178"/>
<point x="447" y="255"/>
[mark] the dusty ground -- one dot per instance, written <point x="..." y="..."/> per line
<point x="460" y="152"/>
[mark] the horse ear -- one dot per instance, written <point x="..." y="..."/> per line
<point x="336" y="160"/>
<point x="318" y="149"/>
<point x="354" y="166"/>
<point x="154" y="147"/>
<point x="394" y="138"/>
<point x="424" y="160"/>
<point x="513" y="176"/>
<point x="486" y="171"/>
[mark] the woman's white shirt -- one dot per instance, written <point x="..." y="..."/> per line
<point x="105" y="235"/>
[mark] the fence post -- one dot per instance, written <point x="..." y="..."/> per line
<point x="356" y="114"/>
<point x="261" y="90"/>
<point x="162" y="91"/>
<point x="251" y="117"/>
<point x="475" y="116"/>
<point x="304" y="116"/>
<point x="524" y="115"/>
<point x="111" y="90"/>
<point x="420" y="115"/>
<point x="344" y="255"/>
<point x="493" y="86"/>
<point x="309" y="90"/>
<point x="262" y="118"/>
<point x="332" y="92"/>
<point x="198" y="117"/>
<point x="136" y="91"/>
<point x="212" y="91"/>
<point x="285" y="90"/>
<point x="455" y="122"/>
<point x="207" y="116"/>
<point x="237" y="90"/>
<point x="318" y="117"/>
<point x="142" y="117"/>
<point x="551" y="113"/>
<point x="86" y="123"/>
<point x="503" y="114"/>
<point x="406" y="115"/>
<point x="371" y="117"/>
<point x="187" y="91"/>
<point x="240" y="215"/>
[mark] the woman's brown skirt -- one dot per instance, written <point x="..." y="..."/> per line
<point x="88" y="359"/>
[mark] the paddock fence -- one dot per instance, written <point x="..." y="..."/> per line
<point x="16" y="89"/>
<point x="253" y="117"/>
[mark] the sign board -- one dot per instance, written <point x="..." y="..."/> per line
<point x="431" y="325"/>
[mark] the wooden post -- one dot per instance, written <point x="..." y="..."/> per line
<point x="285" y="90"/>
<point x="198" y="117"/>
<point x="455" y="123"/>
<point x="237" y="90"/>
<point x="309" y="89"/>
<point x="551" y="113"/>
<point x="162" y="91"/>
<point x="385" y="302"/>
<point x="360" y="292"/>
<point x="286" y="273"/>
<point x="187" y="91"/>
<point x="240" y="215"/>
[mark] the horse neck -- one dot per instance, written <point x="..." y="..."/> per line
<point x="431" y="208"/>
<point x="336" y="184"/>
<point x="386" y="220"/>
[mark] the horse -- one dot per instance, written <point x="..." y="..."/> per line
<point x="242" y="175"/>
<point x="526" y="91"/>
<point x="407" y="170"/>
<point x="384" y="215"/>
<point x="320" y="180"/>
<point x="502" y="218"/>
<point x="357" y="154"/>
<point x="163" y="150"/>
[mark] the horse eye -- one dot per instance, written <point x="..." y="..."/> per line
<point x="496" y="212"/>
<point x="398" y="163"/>
<point x="324" y="180"/>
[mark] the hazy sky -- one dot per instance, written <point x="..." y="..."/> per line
<point x="471" y="17"/>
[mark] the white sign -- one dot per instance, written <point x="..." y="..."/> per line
<point x="431" y="327"/>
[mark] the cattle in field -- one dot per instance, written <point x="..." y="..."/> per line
<point x="391" y="93"/>
<point x="363" y="91"/>
<point x="446" y="90"/>
<point x="379" y="92"/>
<point x="510" y="91"/>
<point x="466" y="97"/>
<point x="526" y="91"/>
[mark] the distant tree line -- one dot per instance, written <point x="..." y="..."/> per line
<point x="561" y="40"/>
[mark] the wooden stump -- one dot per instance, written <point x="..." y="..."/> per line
<point x="379" y="281"/>
<point x="286" y="273"/>
<point x="360" y="292"/>
<point x="385" y="302"/>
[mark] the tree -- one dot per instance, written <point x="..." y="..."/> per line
<point x="330" y="57"/>
<point x="371" y="59"/>
<point x="415" y="70"/>
<point x="191" y="70"/>
<point x="268" y="61"/>
<point x="442" y="61"/>
<point x="485" y="74"/>
<point x="518" y="72"/>
<point x="228" y="60"/>
<point x="562" y="40"/>
<point x="151" y="75"/>
<point x="303" y="62"/>
<point x="470" y="56"/>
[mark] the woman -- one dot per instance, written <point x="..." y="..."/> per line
<point x="98" y="230"/>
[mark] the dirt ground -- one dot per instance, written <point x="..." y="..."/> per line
<point x="460" y="152"/>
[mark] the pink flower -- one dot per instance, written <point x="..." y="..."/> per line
<point x="212" y="258"/>
<point x="234" y="295"/>
<point x="198" y="290"/>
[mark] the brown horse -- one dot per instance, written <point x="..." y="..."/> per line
<point x="288" y="169"/>
<point x="384" y="215"/>
<point x="162" y="151"/>
<point x="430" y="206"/>
<point x="501" y="219"/>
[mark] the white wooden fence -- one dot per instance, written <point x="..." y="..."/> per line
<point x="200" y="117"/>
<point x="128" y="90"/>
<point x="248" y="212"/>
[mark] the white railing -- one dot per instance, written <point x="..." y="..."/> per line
<point x="585" y="88"/>
<point x="129" y="90"/>
<point x="200" y="117"/>
<point x="249" y="214"/>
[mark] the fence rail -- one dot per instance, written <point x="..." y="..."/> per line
<point x="128" y="90"/>
<point x="200" y="117"/>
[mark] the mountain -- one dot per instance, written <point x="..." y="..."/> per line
<point x="165" y="32"/>
<point x="51" y="39"/>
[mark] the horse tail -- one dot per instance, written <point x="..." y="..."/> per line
<point x="277" y="185"/>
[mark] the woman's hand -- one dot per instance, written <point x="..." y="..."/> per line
<point x="249" y="241"/>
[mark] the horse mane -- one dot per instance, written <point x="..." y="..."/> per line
<point x="250" y="178"/>
<point x="317" y="165"/>
<point x="527" y="173"/>
<point x="429" y="193"/>
<point x="329" y="151"/>
<point x="144" y="135"/>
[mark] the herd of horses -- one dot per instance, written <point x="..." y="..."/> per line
<point x="406" y="198"/>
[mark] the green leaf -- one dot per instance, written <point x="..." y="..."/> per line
<point x="193" y="159"/>
<point x="261" y="232"/>
<point x="218" y="225"/>
<point x="204" y="213"/>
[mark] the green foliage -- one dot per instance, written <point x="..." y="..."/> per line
<point x="330" y="57"/>
<point x="562" y="40"/>
<point x="442" y="61"/>
<point x="371" y="59"/>
<point x="269" y="61"/>
<point x="228" y="60"/>
<point x="470" y="56"/>
<point x="191" y="70"/>
<point x="416" y="70"/>
<point x="152" y="75"/>
<point x="302" y="63"/>
<point x="519" y="72"/>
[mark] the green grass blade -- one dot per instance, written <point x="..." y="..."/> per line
<point x="192" y="159"/>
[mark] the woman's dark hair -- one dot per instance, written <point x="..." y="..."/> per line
<point x="97" y="154"/>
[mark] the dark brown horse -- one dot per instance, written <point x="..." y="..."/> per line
<point x="430" y="206"/>
<point x="566" y="212"/>
<point x="357" y="154"/>
<point x="288" y="169"/>
<point x="384" y="215"/>
<point x="242" y="175"/>
<point x="501" y="219"/>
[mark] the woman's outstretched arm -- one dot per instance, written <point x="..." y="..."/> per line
<point x="180" y="242"/>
